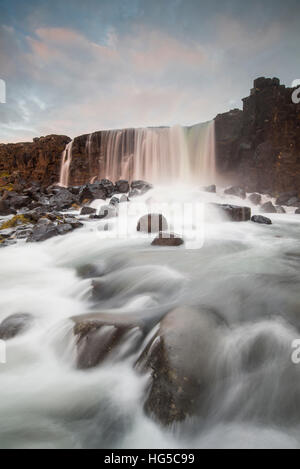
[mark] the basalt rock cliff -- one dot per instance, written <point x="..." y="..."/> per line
<point x="258" y="147"/>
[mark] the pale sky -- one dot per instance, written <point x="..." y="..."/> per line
<point x="74" y="67"/>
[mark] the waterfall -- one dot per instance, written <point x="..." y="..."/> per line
<point x="158" y="154"/>
<point x="65" y="165"/>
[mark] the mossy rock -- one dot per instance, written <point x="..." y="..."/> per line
<point x="16" y="221"/>
<point x="7" y="187"/>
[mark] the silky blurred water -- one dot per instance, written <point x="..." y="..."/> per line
<point x="248" y="272"/>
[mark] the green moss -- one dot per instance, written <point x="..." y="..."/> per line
<point x="15" y="221"/>
<point x="4" y="174"/>
<point x="7" y="187"/>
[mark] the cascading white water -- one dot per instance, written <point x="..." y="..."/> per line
<point x="158" y="155"/>
<point x="65" y="165"/>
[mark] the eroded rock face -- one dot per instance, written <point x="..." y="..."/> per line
<point x="38" y="161"/>
<point x="179" y="358"/>
<point x="260" y="145"/>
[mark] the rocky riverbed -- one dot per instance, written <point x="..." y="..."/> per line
<point x="120" y="341"/>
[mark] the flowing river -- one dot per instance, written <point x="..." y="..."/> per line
<point x="249" y="273"/>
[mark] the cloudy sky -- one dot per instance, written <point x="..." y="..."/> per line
<point x="77" y="66"/>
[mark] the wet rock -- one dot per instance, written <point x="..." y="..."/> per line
<point x="88" y="211"/>
<point x="73" y="222"/>
<point x="122" y="186"/>
<point x="64" y="228"/>
<point x="91" y="192"/>
<point x="167" y="239"/>
<point x="90" y="271"/>
<point x="17" y="220"/>
<point x="23" y="233"/>
<point x="293" y="202"/>
<point x="268" y="207"/>
<point x="102" y="336"/>
<point x="179" y="359"/>
<point x="6" y="209"/>
<point x="235" y="212"/>
<point x="63" y="199"/>
<point x="212" y="189"/>
<point x="255" y="198"/>
<point x="152" y="223"/>
<point x="134" y="193"/>
<point x="237" y="191"/>
<point x="285" y="197"/>
<point x="280" y="209"/>
<point x="297" y="212"/>
<point x="141" y="186"/>
<point x="107" y="186"/>
<point x="14" y="325"/>
<point x="42" y="232"/>
<point x="20" y="202"/>
<point x="262" y="220"/>
<point x="114" y="201"/>
<point x="107" y="211"/>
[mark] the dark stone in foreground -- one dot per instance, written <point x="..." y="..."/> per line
<point x="152" y="223"/>
<point x="178" y="358"/>
<point x="262" y="220"/>
<point x="297" y="212"/>
<point x="235" y="212"/>
<point x="14" y="325"/>
<point x="167" y="239"/>
<point x="100" y="336"/>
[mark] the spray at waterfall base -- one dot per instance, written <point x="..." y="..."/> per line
<point x="186" y="220"/>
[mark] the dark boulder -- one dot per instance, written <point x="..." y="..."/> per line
<point x="297" y="212"/>
<point x="88" y="211"/>
<point x="293" y="202"/>
<point x="63" y="199"/>
<point x="134" y="193"/>
<point x="91" y="192"/>
<point x="108" y="186"/>
<point x="141" y="186"/>
<point x="20" y="201"/>
<point x="6" y="209"/>
<point x="14" y="325"/>
<point x="42" y="232"/>
<point x="237" y="191"/>
<point x="280" y="209"/>
<point x="235" y="212"/>
<point x="262" y="220"/>
<point x="122" y="186"/>
<point x="166" y="239"/>
<point x="268" y="207"/>
<point x="212" y="189"/>
<point x="180" y="360"/>
<point x="152" y="223"/>
<point x="255" y="198"/>
<point x="285" y="197"/>
<point x="101" y="336"/>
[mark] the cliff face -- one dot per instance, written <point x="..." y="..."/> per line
<point x="38" y="161"/>
<point x="260" y="145"/>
